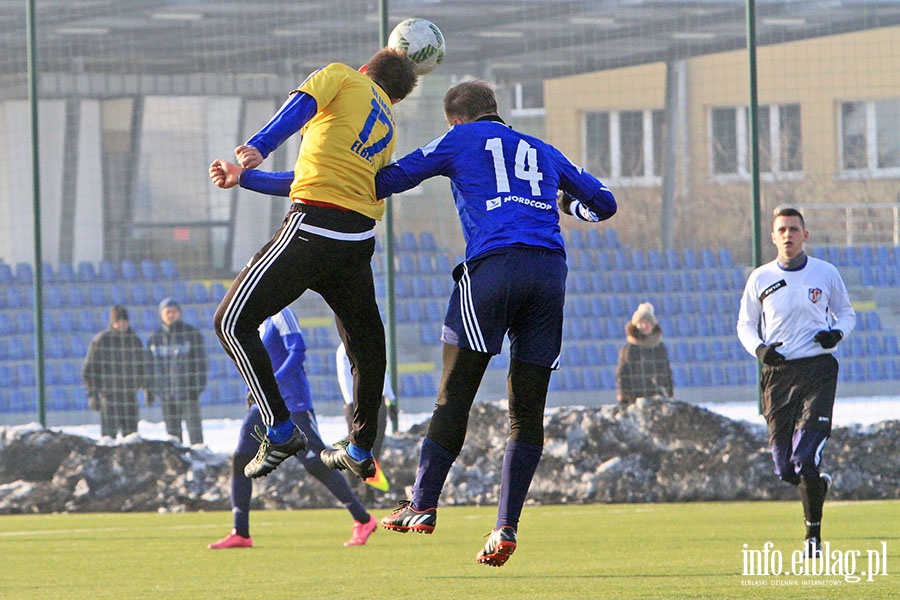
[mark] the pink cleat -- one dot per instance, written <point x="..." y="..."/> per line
<point x="232" y="540"/>
<point x="361" y="532"/>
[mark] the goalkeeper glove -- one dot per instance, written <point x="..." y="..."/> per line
<point x="768" y="355"/>
<point x="828" y="338"/>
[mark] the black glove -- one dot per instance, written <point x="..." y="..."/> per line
<point x="564" y="202"/>
<point x="828" y="338"/>
<point x="768" y="355"/>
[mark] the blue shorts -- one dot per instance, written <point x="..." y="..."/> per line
<point x="520" y="291"/>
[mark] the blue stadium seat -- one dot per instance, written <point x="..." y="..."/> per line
<point x="442" y="263"/>
<point x="149" y="270"/>
<point x="434" y="311"/>
<point x="620" y="260"/>
<point x="610" y="352"/>
<point x="118" y="294"/>
<point x="25" y="374"/>
<point x="24" y="273"/>
<point x="638" y="260"/>
<point x="7" y="323"/>
<point x="689" y="259"/>
<point x="671" y="260"/>
<point x="8" y="377"/>
<point x="217" y="291"/>
<point x="601" y="259"/>
<point x="426" y="384"/>
<point x="168" y="269"/>
<point x="591" y="354"/>
<point x="700" y="351"/>
<point x="699" y="374"/>
<point x="24" y="322"/>
<point x="65" y="273"/>
<point x="617" y="283"/>
<point x="409" y="385"/>
<point x="86" y="272"/>
<point x="707" y="259"/>
<point x="654" y="259"/>
<point x="617" y="307"/>
<point x="576" y="239"/>
<point x="889" y="345"/>
<point x="97" y="296"/>
<point x="108" y="271"/>
<point x="680" y="351"/>
<point x="572" y="355"/>
<point x="725" y="259"/>
<point x="129" y="270"/>
<point x="599" y="305"/>
<point x="607" y="378"/>
<point x="6" y="273"/>
<point x="427" y="242"/>
<point x="407" y="242"/>
<point x="671" y="282"/>
<point x="680" y="376"/>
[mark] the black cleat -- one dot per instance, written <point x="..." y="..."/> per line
<point x="812" y="548"/>
<point x="406" y="518"/>
<point x="337" y="457"/>
<point x="499" y="547"/>
<point x="270" y="455"/>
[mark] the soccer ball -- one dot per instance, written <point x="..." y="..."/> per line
<point x="421" y="41"/>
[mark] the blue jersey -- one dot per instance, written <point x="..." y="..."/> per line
<point x="284" y="342"/>
<point x="504" y="184"/>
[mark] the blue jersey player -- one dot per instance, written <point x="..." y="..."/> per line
<point x="513" y="281"/>
<point x="284" y="343"/>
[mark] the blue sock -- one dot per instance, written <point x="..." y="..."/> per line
<point x="279" y="433"/>
<point x="519" y="464"/>
<point x="434" y="465"/>
<point x="358" y="453"/>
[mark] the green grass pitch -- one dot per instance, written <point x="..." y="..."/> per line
<point x="592" y="551"/>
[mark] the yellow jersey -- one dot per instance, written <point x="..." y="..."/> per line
<point x="347" y="141"/>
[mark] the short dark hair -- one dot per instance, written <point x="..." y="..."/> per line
<point x="394" y="72"/>
<point x="787" y="211"/>
<point x="469" y="100"/>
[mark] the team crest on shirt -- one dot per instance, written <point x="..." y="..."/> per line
<point x="815" y="294"/>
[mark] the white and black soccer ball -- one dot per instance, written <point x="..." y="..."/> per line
<point x="421" y="41"/>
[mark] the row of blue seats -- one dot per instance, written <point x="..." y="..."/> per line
<point x="145" y="293"/>
<point x="858" y="256"/>
<point x="431" y="262"/>
<point x="720" y="374"/>
<point x="883" y="276"/>
<point x="88" y="272"/>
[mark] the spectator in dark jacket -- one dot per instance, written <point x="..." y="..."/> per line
<point x="180" y="368"/>
<point x="643" y="370"/>
<point x="113" y="372"/>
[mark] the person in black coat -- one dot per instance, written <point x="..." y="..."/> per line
<point x="643" y="369"/>
<point x="180" y="369"/>
<point x="113" y="372"/>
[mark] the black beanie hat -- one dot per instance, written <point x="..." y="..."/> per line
<point x="118" y="313"/>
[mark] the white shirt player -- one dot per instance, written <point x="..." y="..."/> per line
<point x="345" y="378"/>
<point x="792" y="306"/>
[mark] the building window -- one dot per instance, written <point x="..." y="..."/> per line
<point x="778" y="134"/>
<point x="870" y="137"/>
<point x="625" y="147"/>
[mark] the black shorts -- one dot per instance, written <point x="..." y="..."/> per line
<point x="799" y="394"/>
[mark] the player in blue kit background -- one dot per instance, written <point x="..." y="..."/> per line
<point x="507" y="187"/>
<point x="283" y="340"/>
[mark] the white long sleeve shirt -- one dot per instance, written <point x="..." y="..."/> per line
<point x="792" y="306"/>
<point x="345" y="377"/>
